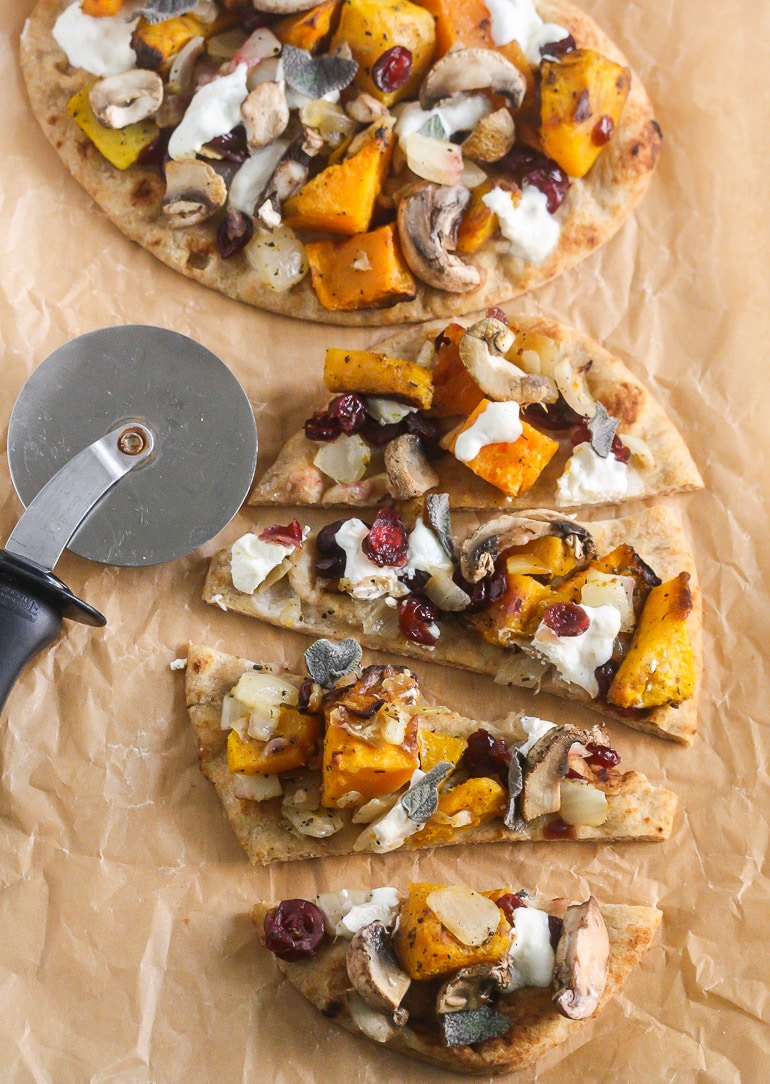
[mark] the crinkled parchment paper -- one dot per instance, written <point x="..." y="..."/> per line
<point x="124" y="951"/>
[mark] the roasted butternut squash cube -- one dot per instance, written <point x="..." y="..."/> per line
<point x="625" y="561"/>
<point x="362" y="272"/>
<point x="100" y="8"/>
<point x="341" y="198"/>
<point x="301" y="736"/>
<point x="549" y="556"/>
<point x="480" y="797"/>
<point x="371" y="27"/>
<point x="155" y="44"/>
<point x="659" y="667"/>
<point x="466" y="24"/>
<point x="512" y="467"/>
<point x="435" y="747"/>
<point x="369" y="768"/>
<point x="120" y="146"/>
<point x="479" y="224"/>
<point x="582" y="96"/>
<point x="308" y="29"/>
<point x="425" y="947"/>
<point x="368" y="373"/>
<point x="454" y="389"/>
<point x="516" y="614"/>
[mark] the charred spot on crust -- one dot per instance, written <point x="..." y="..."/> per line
<point x="197" y="666"/>
<point x="143" y="192"/>
<point x="199" y="259"/>
<point x="624" y="402"/>
<point x="332" y="1009"/>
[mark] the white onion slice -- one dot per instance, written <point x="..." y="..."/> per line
<point x="583" y="803"/>
<point x="256" y="788"/>
<point x="471" y="917"/>
<point x="278" y="257"/>
<point x="344" y="459"/>
<point x="434" y="159"/>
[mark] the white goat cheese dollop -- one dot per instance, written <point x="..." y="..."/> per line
<point x="99" y="46"/>
<point x="576" y="657"/>
<point x="532" y="231"/>
<point x="214" y="111"/>
<point x="498" y="423"/>
<point x="587" y="476"/>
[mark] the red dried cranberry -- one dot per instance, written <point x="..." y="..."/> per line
<point x="605" y="675"/>
<point x="331" y="568"/>
<point x="305" y="692"/>
<point x="555" y="926"/>
<point x="602" y="756"/>
<point x="232" y="145"/>
<point x="602" y="130"/>
<point x="485" y="755"/>
<point x="392" y="69"/>
<point x="156" y="153"/>
<point x="294" y="930"/>
<point x="510" y="903"/>
<point x="581" y="434"/>
<point x="427" y="429"/>
<point x="387" y="541"/>
<point x="555" y="418"/>
<point x="478" y="593"/>
<point x="415" y="616"/>
<point x="415" y="580"/>
<point x="348" y="411"/>
<point x="326" y="539"/>
<point x="496" y="586"/>
<point x="558" y="829"/>
<point x="496" y="313"/>
<point x="566" y="618"/>
<point x="233" y="233"/>
<point x="378" y="434"/>
<point x="582" y="110"/>
<point x="554" y="50"/>
<point x="531" y="167"/>
<point x="321" y="427"/>
<point x="290" y="535"/>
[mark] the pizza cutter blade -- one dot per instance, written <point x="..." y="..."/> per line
<point x="129" y="446"/>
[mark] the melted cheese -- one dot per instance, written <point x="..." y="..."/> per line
<point x="531" y="953"/>
<point x="425" y="553"/>
<point x="577" y="657"/>
<point x="534" y="728"/>
<point x="214" y="111"/>
<point x="532" y="232"/>
<point x="589" y="477"/>
<point x="517" y="20"/>
<point x="252" y="560"/>
<point x="99" y="46"/>
<point x="498" y="423"/>
<point x="362" y="578"/>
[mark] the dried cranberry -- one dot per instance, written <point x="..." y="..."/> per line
<point x="581" y="434"/>
<point x="510" y="903"/>
<point x="605" y="675"/>
<point x="290" y="535"/>
<point x="392" y="69"/>
<point x="482" y="593"/>
<point x="602" y="756"/>
<point x="602" y="130"/>
<point x="321" y="427"/>
<point x="582" y="110"/>
<point x="427" y="429"/>
<point x="294" y="930"/>
<point x="156" y="153"/>
<point x="566" y="618"/>
<point x="496" y="313"/>
<point x="415" y="616"/>
<point x="387" y="541"/>
<point x="349" y="411"/>
<point x="531" y="167"/>
<point x="415" y="580"/>
<point x="331" y="568"/>
<point x="554" y="50"/>
<point x="554" y="418"/>
<point x="233" y="233"/>
<point x="496" y="586"/>
<point x="326" y="539"/>
<point x="305" y="692"/>
<point x="378" y="434"/>
<point x="232" y="145"/>
<point x="249" y="19"/>
<point x="555" y="926"/>
<point x="485" y="755"/>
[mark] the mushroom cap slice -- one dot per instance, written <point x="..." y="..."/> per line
<point x="473" y="987"/>
<point x="265" y="113"/>
<point x="194" y="192"/>
<point x="582" y="961"/>
<point x="472" y="69"/>
<point x="545" y="767"/>
<point x="375" y="972"/>
<point x="428" y="217"/>
<point x="126" y="98"/>
<point x="492" y="137"/>
<point x="481" y="549"/>
<point x="409" y="472"/>
<point x="497" y="377"/>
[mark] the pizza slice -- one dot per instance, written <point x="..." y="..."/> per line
<point x="527" y="415"/>
<point x="607" y="613"/>
<point x="344" y="759"/>
<point x="476" y="982"/>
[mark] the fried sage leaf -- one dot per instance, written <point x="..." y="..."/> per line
<point x="470" y="1026"/>
<point x="421" y="800"/>
<point x="327" y="662"/>
<point x="602" y="428"/>
<point x="157" y="11"/>
<point x="315" y="76"/>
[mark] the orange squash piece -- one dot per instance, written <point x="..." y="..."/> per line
<point x="100" y="8"/>
<point x="342" y="197"/>
<point x="303" y="733"/>
<point x="369" y="768"/>
<point x="361" y="272"/>
<point x="369" y="373"/>
<point x="512" y="467"/>
<point x="309" y="29"/>
<point x="454" y="389"/>
<point x="483" y="798"/>
<point x="516" y="614"/>
<point x="466" y="23"/>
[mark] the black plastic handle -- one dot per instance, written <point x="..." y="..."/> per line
<point x="32" y="604"/>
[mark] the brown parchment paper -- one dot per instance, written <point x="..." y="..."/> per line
<point x="124" y="951"/>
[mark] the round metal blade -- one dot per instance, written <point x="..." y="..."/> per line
<point x="205" y="439"/>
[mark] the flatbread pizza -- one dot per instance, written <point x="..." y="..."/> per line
<point x="436" y="973"/>
<point x="343" y="759"/>
<point x="607" y="613"/>
<point x="353" y="161"/>
<point x="498" y="415"/>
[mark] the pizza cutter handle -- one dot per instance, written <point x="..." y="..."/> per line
<point x="32" y="605"/>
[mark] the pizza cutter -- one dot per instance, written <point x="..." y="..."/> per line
<point x="129" y="446"/>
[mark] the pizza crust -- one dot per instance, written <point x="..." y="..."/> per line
<point x="594" y="210"/>
<point x="537" y="1026"/>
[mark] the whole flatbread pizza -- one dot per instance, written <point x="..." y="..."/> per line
<point x="352" y="161"/>
<point x="475" y="982"/>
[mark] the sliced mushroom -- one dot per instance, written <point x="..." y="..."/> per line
<point x="126" y="98"/>
<point x="472" y="69"/>
<point x="265" y="113"/>
<point x="497" y="377"/>
<point x="288" y="178"/>
<point x="492" y="137"/>
<point x="582" y="961"/>
<point x="365" y="108"/>
<point x="375" y="972"/>
<point x="194" y="192"/>
<point x="428" y="218"/>
<point x="545" y="767"/>
<point x="380" y="1027"/>
<point x="181" y="75"/>
<point x="473" y="987"/>
<point x="481" y="549"/>
<point x="409" y="472"/>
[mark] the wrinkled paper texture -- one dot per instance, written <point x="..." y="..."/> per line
<point x="125" y="950"/>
